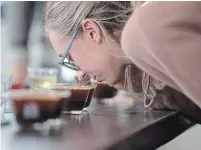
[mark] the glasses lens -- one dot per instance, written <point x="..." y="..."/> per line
<point x="70" y="64"/>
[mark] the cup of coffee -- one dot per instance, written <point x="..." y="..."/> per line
<point x="103" y="90"/>
<point x="89" y="98"/>
<point x="80" y="98"/>
<point x="36" y="106"/>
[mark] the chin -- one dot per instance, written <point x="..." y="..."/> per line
<point x="118" y="86"/>
<point x="115" y="84"/>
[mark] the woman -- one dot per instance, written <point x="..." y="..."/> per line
<point x="88" y="34"/>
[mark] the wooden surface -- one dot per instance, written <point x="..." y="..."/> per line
<point x="111" y="124"/>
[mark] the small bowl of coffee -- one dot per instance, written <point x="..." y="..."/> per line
<point x="103" y="90"/>
<point x="80" y="98"/>
<point x="36" y="106"/>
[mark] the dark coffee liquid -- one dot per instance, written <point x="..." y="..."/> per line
<point x="103" y="90"/>
<point x="91" y="92"/>
<point x="77" y="100"/>
<point x="29" y="110"/>
<point x="80" y="96"/>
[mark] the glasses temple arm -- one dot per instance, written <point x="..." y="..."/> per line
<point x="67" y="48"/>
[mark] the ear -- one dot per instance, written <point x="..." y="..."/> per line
<point x="92" y="30"/>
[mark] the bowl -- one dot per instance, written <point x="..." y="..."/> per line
<point x="36" y="106"/>
<point x="103" y="90"/>
<point x="80" y="98"/>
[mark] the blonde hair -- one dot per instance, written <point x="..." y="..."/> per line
<point x="65" y="17"/>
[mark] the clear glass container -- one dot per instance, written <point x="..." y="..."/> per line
<point x="42" y="77"/>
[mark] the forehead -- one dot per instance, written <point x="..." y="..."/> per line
<point x="59" y="43"/>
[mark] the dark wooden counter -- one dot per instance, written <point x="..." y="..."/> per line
<point x="110" y="125"/>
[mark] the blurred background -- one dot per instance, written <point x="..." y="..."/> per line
<point x="23" y="44"/>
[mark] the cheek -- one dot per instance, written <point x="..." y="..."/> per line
<point x="89" y="62"/>
<point x="83" y="59"/>
<point x="91" y="57"/>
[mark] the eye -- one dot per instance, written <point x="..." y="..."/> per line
<point x="70" y="59"/>
<point x="69" y="62"/>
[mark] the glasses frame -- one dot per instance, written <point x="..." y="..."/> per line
<point x="69" y="64"/>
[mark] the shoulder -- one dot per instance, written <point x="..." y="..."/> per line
<point x="157" y="22"/>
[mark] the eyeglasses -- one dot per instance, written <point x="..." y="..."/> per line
<point x="69" y="63"/>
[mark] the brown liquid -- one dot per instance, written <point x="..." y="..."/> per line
<point x="77" y="100"/>
<point x="103" y="90"/>
<point x="80" y="97"/>
<point x="91" y="92"/>
<point x="39" y="108"/>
